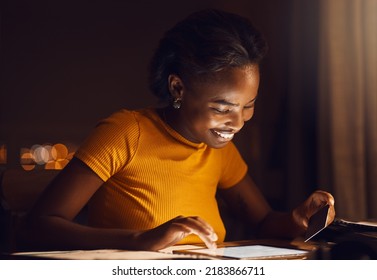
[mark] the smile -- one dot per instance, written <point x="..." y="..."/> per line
<point x="224" y="135"/>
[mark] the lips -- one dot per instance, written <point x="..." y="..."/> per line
<point x="226" y="135"/>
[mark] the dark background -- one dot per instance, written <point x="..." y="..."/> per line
<point x="67" y="64"/>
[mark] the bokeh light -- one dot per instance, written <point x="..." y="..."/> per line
<point x="48" y="156"/>
<point x="40" y="154"/>
<point x="59" y="152"/>
<point x="27" y="160"/>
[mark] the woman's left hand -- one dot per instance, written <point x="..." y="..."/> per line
<point x="311" y="205"/>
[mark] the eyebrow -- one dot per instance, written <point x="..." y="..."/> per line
<point x="227" y="103"/>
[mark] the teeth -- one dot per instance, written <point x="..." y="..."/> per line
<point x="227" y="136"/>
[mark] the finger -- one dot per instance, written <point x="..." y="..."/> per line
<point x="202" y="229"/>
<point x="202" y="224"/>
<point x="207" y="239"/>
<point x="323" y="197"/>
<point x="199" y="224"/>
<point x="199" y="227"/>
<point x="330" y="215"/>
<point x="316" y="201"/>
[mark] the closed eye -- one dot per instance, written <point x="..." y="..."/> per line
<point x="249" y="107"/>
<point x="221" y="110"/>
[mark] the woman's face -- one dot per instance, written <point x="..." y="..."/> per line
<point x="212" y="112"/>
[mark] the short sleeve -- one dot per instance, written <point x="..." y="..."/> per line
<point x="111" y="145"/>
<point x="234" y="167"/>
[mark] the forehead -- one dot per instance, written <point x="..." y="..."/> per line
<point x="235" y="81"/>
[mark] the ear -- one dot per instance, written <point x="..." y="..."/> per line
<point x="175" y="86"/>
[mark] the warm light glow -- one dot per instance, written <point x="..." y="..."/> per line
<point x="54" y="157"/>
<point x="41" y="155"/>
<point x="3" y="154"/>
<point x="59" y="151"/>
<point x="61" y="163"/>
<point x="70" y="155"/>
<point x="27" y="161"/>
<point x="57" y="165"/>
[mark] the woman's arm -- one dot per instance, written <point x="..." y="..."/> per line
<point x="247" y="200"/>
<point x="50" y="226"/>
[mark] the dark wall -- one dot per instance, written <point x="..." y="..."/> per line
<point x="65" y="65"/>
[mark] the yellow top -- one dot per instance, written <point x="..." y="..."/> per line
<point x="153" y="174"/>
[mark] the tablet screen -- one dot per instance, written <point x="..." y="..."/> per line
<point x="249" y="252"/>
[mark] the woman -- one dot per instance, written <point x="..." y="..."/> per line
<point x="151" y="175"/>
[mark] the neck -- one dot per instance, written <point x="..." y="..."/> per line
<point x="168" y="115"/>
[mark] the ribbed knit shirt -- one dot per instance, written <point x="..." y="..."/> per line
<point x="152" y="174"/>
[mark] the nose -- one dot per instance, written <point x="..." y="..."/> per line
<point x="236" y="120"/>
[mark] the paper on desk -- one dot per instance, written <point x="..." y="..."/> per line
<point x="104" y="254"/>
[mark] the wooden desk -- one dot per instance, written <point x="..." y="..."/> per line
<point x="167" y="254"/>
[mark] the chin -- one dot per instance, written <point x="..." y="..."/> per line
<point x="218" y="145"/>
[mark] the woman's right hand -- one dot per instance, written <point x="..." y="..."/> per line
<point x="174" y="230"/>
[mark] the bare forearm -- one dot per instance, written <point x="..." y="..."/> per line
<point x="55" y="233"/>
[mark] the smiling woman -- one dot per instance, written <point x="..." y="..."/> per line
<point x="151" y="175"/>
<point x="213" y="111"/>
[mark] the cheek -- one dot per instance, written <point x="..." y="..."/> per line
<point x="217" y="121"/>
<point x="206" y="120"/>
<point x="248" y="115"/>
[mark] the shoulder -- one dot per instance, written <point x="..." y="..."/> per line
<point x="111" y="144"/>
<point x="119" y="127"/>
<point x="128" y="117"/>
<point x="119" y="122"/>
<point x="119" y="117"/>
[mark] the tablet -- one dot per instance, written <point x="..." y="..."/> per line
<point x="246" y="252"/>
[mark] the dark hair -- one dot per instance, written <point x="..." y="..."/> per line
<point x="203" y="44"/>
